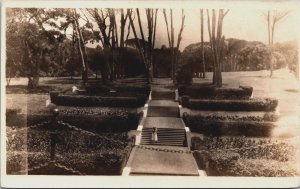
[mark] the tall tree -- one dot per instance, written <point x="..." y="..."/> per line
<point x="31" y="38"/>
<point x="216" y="42"/>
<point x="273" y="17"/>
<point x="171" y="40"/>
<point x="145" y="47"/>
<point x="202" y="44"/>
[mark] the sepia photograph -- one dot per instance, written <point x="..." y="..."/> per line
<point x="169" y="89"/>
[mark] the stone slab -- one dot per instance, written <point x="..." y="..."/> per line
<point x="169" y="103"/>
<point x="164" y="122"/>
<point x="163" y="95"/>
<point x="159" y="162"/>
<point x="162" y="111"/>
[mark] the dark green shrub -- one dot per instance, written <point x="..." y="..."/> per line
<point x="230" y="128"/>
<point x="184" y="75"/>
<point x="92" y="101"/>
<point x="197" y="91"/>
<point x="266" y="104"/>
<point x="208" y="91"/>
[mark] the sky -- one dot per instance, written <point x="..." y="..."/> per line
<point x="247" y="24"/>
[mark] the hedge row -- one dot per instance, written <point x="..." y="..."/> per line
<point x="94" y="123"/>
<point x="100" y="124"/>
<point x="202" y="116"/>
<point x="230" y="128"/>
<point x="266" y="104"/>
<point x="85" y="101"/>
<point x="134" y="89"/>
<point x="211" y="92"/>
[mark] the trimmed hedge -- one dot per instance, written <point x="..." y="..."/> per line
<point x="266" y="104"/>
<point x="104" y="123"/>
<point x="134" y="89"/>
<point x="230" y="128"/>
<point x="202" y="116"/>
<point x="211" y="92"/>
<point x="89" y="118"/>
<point x="92" y="101"/>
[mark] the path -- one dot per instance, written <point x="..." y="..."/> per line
<point x="170" y="155"/>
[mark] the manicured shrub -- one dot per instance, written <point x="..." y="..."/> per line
<point x="202" y="116"/>
<point x="230" y="128"/>
<point x="261" y="168"/>
<point x="197" y="91"/>
<point x="124" y="89"/>
<point x="266" y="104"/>
<point x="80" y="100"/>
<point x="79" y="150"/>
<point x="209" y="91"/>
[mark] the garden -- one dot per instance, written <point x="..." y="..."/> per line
<point x="78" y="80"/>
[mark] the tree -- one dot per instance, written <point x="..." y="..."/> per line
<point x="202" y="44"/>
<point x="273" y="17"/>
<point x="216" y="43"/>
<point x="31" y="40"/>
<point x="174" y="52"/>
<point x="145" y="47"/>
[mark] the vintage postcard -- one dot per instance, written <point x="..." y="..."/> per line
<point x="150" y="94"/>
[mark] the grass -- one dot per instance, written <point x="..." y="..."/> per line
<point x="282" y="86"/>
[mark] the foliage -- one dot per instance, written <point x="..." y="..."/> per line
<point x="211" y="92"/>
<point x="255" y="104"/>
<point x="105" y="101"/>
<point x="89" y="153"/>
<point x="184" y="75"/>
<point x="243" y="156"/>
<point x="241" y="55"/>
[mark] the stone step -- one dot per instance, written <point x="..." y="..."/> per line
<point x="162" y="160"/>
<point x="160" y="111"/>
<point x="166" y="136"/>
<point x="163" y="95"/>
<point x="163" y="122"/>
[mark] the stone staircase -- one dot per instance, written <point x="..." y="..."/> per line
<point x="170" y="155"/>
<point x="166" y="137"/>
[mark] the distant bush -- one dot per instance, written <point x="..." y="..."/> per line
<point x="266" y="104"/>
<point x="184" y="75"/>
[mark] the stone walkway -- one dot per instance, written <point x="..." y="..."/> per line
<point x="170" y="155"/>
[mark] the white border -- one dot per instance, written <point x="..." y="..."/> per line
<point x="139" y="181"/>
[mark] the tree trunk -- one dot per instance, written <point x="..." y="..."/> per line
<point x="202" y="44"/>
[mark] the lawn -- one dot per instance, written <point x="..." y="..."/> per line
<point x="282" y="86"/>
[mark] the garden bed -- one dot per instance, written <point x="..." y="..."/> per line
<point x="212" y="92"/>
<point x="243" y="156"/>
<point x="258" y="104"/>
<point x="93" y="101"/>
<point x="76" y="149"/>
